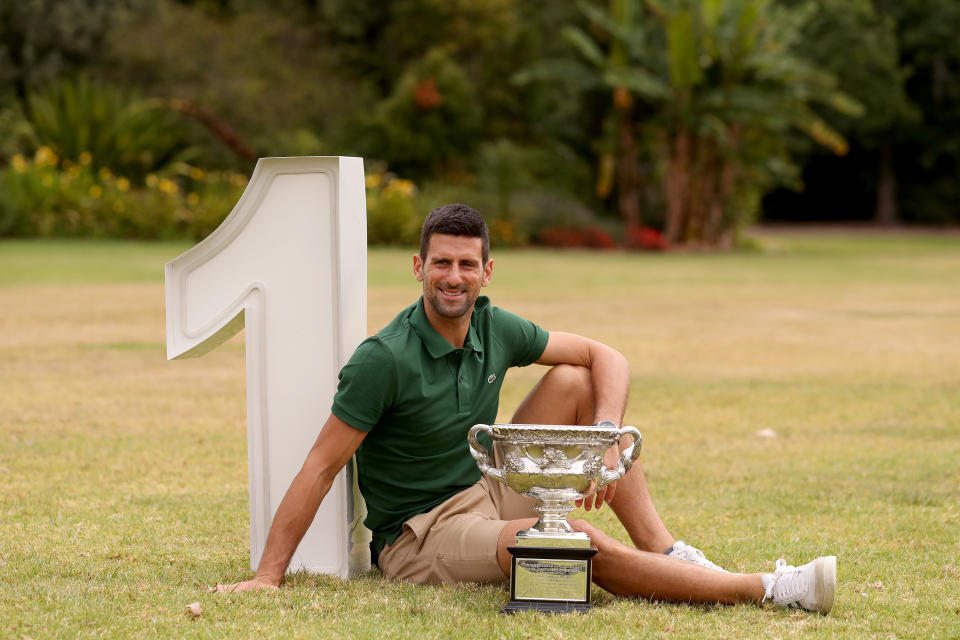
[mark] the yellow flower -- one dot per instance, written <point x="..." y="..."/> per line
<point x="74" y="171"/>
<point x="168" y="186"/>
<point x="373" y="180"/>
<point x="152" y="180"/>
<point x="47" y="180"/>
<point x="402" y="187"/>
<point x="123" y="184"/>
<point x="85" y="158"/>
<point x="197" y="174"/>
<point x="104" y="174"/>
<point x="45" y="155"/>
<point x="96" y="191"/>
<point x="193" y="199"/>
<point x="238" y="180"/>
<point x="19" y="163"/>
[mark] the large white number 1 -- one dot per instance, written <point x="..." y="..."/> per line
<point x="290" y="263"/>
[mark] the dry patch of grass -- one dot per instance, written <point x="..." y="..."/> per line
<point x="123" y="489"/>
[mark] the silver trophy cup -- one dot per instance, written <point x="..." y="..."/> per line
<point x="556" y="465"/>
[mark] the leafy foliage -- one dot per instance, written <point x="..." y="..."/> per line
<point x="676" y="114"/>
<point x="392" y="216"/>
<point x="41" y="39"/>
<point x="49" y="196"/>
<point x="927" y="156"/>
<point x="79" y="118"/>
<point x="431" y="120"/>
<point x="860" y="46"/>
<point x="725" y="82"/>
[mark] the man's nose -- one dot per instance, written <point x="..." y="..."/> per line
<point x="454" y="277"/>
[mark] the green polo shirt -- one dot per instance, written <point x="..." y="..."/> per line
<point x="417" y="396"/>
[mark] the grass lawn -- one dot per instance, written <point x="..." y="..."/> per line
<point x="123" y="477"/>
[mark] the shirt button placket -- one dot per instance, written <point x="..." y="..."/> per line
<point x="463" y="389"/>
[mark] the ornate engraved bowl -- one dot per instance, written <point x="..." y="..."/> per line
<point x="556" y="464"/>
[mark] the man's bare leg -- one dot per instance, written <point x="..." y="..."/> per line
<point x="565" y="396"/>
<point x="627" y="571"/>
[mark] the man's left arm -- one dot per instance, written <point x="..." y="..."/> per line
<point x="610" y="375"/>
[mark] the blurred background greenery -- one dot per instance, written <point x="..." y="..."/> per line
<point x="636" y="123"/>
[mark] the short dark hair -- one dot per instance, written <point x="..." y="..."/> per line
<point x="455" y="220"/>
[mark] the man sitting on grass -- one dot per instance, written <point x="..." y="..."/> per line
<point x="405" y="402"/>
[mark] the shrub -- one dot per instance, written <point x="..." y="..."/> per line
<point x="113" y="128"/>
<point x="16" y="134"/>
<point x="391" y="210"/>
<point x="644" y="239"/>
<point x="591" y="237"/>
<point x="47" y="196"/>
<point x="431" y="120"/>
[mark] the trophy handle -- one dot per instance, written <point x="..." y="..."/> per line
<point x="629" y="454"/>
<point x="481" y="455"/>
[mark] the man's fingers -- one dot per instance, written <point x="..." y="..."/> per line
<point x="611" y="491"/>
<point x="605" y="494"/>
<point x="249" y="585"/>
<point x="592" y="502"/>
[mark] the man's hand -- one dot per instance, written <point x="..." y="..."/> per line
<point x="334" y="446"/>
<point x="258" y="583"/>
<point x="610" y="459"/>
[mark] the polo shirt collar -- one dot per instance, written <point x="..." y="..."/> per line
<point x="436" y="345"/>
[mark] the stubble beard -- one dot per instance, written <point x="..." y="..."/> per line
<point x="446" y="309"/>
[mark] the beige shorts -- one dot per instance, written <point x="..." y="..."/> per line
<point x="456" y="541"/>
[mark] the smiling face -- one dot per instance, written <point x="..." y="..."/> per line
<point x="452" y="273"/>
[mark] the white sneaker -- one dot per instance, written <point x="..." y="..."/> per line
<point x="810" y="587"/>
<point x="682" y="551"/>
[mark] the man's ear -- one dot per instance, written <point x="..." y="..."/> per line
<point x="487" y="273"/>
<point x="418" y="267"/>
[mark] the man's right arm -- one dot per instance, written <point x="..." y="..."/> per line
<point x="334" y="447"/>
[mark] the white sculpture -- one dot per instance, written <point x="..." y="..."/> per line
<point x="290" y="264"/>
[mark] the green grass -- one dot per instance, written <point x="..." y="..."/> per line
<point x="84" y="261"/>
<point x="123" y="477"/>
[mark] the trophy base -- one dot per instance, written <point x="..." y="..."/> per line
<point x="544" y="606"/>
<point x="550" y="579"/>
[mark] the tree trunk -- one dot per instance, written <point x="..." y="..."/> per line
<point x="702" y="192"/>
<point x="886" y="212"/>
<point x="677" y="180"/>
<point x="627" y="167"/>
<point x="722" y="219"/>
<point x="218" y="127"/>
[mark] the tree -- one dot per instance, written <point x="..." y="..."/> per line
<point x="430" y="122"/>
<point x="901" y="59"/>
<point x="723" y="82"/>
<point x="859" y="45"/>
<point x="926" y="153"/>
<point x="40" y="39"/>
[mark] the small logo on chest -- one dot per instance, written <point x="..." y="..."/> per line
<point x="491" y="378"/>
